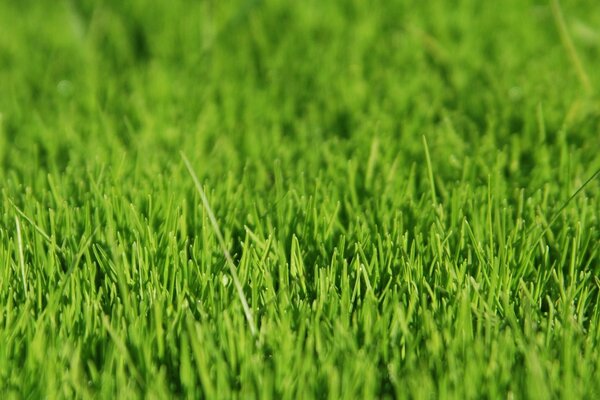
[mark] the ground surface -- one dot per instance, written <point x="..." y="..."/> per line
<point x="389" y="178"/>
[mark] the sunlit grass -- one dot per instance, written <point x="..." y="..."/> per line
<point x="375" y="199"/>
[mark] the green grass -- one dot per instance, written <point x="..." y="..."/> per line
<point x="392" y="182"/>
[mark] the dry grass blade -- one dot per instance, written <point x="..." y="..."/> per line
<point x="217" y="231"/>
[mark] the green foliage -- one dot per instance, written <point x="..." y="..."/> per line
<point x="391" y="178"/>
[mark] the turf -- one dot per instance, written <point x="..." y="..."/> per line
<point x="384" y="199"/>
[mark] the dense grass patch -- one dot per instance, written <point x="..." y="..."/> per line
<point x="393" y="181"/>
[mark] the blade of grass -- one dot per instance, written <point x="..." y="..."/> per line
<point x="21" y="257"/>
<point x="228" y="258"/>
<point x="430" y="171"/>
<point x="123" y="349"/>
<point x="566" y="40"/>
<point x="565" y="204"/>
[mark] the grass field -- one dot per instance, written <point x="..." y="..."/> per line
<point x="299" y="199"/>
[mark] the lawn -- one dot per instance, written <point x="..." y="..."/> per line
<point x="299" y="199"/>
